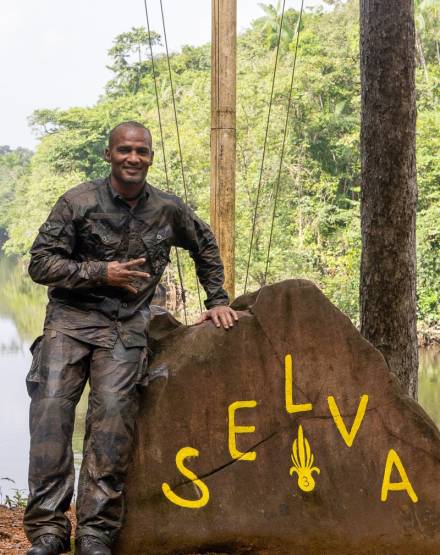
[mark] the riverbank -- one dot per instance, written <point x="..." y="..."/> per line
<point x="429" y="337"/>
<point x="12" y="537"/>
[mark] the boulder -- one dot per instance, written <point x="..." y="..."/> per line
<point x="286" y="434"/>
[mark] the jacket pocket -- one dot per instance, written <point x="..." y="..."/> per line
<point x="157" y="244"/>
<point x="33" y="376"/>
<point x="105" y="234"/>
<point x="142" y="374"/>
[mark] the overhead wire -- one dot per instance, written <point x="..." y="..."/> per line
<point x="278" y="180"/>
<point x="157" y="95"/>
<point x="177" y="127"/>
<point x="167" y="180"/>
<point x="264" y="148"/>
<point x="289" y="103"/>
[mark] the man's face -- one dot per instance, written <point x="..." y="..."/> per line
<point x="130" y="155"/>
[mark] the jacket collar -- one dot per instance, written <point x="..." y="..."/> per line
<point x="144" y="192"/>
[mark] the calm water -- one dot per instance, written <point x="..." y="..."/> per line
<point x="21" y="315"/>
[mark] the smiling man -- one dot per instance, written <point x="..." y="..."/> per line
<point x="102" y="252"/>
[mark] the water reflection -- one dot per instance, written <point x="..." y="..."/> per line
<point x="10" y="348"/>
<point x="13" y="409"/>
<point x="22" y="305"/>
<point x="429" y="382"/>
<point x="21" y="299"/>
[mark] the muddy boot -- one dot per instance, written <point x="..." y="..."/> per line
<point x="48" y="544"/>
<point x="90" y="545"/>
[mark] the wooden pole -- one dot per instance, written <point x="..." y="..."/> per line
<point x="223" y="131"/>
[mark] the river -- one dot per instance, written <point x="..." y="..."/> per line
<point x="21" y="315"/>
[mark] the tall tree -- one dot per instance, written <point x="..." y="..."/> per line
<point x="129" y="55"/>
<point x="389" y="188"/>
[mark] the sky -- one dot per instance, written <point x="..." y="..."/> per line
<point x="53" y="53"/>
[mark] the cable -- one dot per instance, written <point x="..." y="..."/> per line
<point x="264" y="148"/>
<point x="177" y="128"/>
<point x="284" y="139"/>
<point x="179" y="269"/>
<point x="157" y="96"/>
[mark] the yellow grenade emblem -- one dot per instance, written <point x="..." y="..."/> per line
<point x="302" y="459"/>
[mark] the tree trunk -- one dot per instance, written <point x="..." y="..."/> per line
<point x="389" y="188"/>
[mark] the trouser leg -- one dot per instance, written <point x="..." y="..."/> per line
<point x="110" y="425"/>
<point x="60" y="373"/>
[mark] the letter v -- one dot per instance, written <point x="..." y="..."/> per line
<point x="348" y="437"/>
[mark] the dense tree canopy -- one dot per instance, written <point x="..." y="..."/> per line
<point x="316" y="232"/>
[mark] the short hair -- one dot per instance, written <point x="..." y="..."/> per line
<point x="135" y="124"/>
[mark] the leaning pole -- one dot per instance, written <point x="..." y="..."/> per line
<point x="223" y="132"/>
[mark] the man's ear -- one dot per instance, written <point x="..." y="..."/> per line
<point x="152" y="158"/>
<point x="107" y="155"/>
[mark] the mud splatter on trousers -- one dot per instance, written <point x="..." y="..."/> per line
<point x="60" y="369"/>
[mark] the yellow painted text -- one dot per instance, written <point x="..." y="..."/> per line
<point x="288" y="372"/>
<point x="234" y="429"/>
<point x="183" y="454"/>
<point x="347" y="436"/>
<point x="393" y="459"/>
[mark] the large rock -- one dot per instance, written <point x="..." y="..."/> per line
<point x="259" y="506"/>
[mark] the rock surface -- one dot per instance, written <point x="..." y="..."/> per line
<point x="256" y="506"/>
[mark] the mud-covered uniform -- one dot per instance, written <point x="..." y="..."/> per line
<point x="97" y="332"/>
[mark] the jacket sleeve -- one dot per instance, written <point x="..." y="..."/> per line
<point x="51" y="254"/>
<point x="195" y="235"/>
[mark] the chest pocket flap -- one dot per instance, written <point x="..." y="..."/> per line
<point x="163" y="233"/>
<point x="105" y="233"/>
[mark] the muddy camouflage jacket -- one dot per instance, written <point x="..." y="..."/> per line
<point x="91" y="225"/>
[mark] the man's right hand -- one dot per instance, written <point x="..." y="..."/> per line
<point x="120" y="274"/>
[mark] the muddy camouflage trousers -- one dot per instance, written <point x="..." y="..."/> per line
<point x="60" y="369"/>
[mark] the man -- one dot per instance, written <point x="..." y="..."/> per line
<point x="102" y="252"/>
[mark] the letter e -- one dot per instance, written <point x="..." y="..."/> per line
<point x="233" y="430"/>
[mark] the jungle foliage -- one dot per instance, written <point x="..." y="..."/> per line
<point x="317" y="231"/>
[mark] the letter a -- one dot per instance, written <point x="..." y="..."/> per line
<point x="348" y="437"/>
<point x="404" y="485"/>
<point x="185" y="453"/>
<point x="290" y="406"/>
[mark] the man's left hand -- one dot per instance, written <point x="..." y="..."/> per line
<point x="220" y="315"/>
